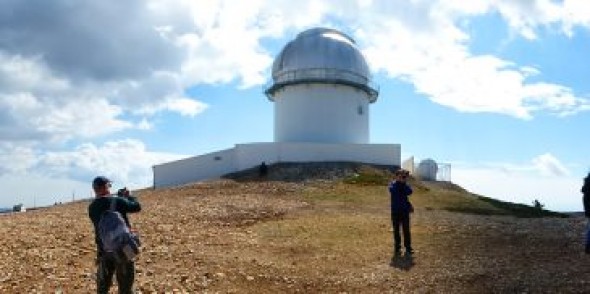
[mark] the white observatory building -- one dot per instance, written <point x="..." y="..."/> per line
<point x="321" y="89"/>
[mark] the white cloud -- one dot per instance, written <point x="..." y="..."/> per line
<point x="181" y="105"/>
<point x="33" y="118"/>
<point x="18" y="73"/>
<point x="53" y="176"/>
<point x="526" y="16"/>
<point x="125" y="161"/>
<point x="226" y="42"/>
<point x="37" y="105"/>
<point x="227" y="49"/>
<point x="185" y="106"/>
<point x="144" y="124"/>
<point x="434" y="56"/>
<point x="82" y="119"/>
<point x="557" y="193"/>
<point x="146" y="54"/>
<point x="87" y="41"/>
<point x="544" y="178"/>
<point x="548" y="165"/>
<point x="16" y="158"/>
<point x="575" y="13"/>
<point x="36" y="190"/>
<point x="87" y="71"/>
<point x="138" y="59"/>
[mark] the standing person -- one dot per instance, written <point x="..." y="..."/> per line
<point x="586" y="199"/>
<point x="262" y="170"/>
<point x="106" y="264"/>
<point x="400" y="211"/>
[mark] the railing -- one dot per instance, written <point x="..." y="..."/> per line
<point x="328" y="75"/>
<point x="320" y="73"/>
<point x="443" y="173"/>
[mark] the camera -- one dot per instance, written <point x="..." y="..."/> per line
<point x="123" y="192"/>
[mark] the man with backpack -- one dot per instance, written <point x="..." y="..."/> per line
<point x="112" y="229"/>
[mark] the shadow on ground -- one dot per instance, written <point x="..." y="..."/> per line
<point x="404" y="262"/>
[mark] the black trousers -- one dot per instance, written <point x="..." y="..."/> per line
<point x="401" y="219"/>
<point x="104" y="276"/>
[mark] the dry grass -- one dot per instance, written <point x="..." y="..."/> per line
<point x="320" y="236"/>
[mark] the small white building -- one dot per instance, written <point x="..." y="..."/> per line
<point x="321" y="92"/>
<point x="427" y="170"/>
<point x="408" y="165"/>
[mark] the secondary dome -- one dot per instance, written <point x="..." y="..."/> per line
<point x="321" y="55"/>
<point x="427" y="169"/>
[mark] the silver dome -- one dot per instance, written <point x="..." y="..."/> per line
<point x="321" y="55"/>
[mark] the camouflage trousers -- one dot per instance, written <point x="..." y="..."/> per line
<point x="107" y="268"/>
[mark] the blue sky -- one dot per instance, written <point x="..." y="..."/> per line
<point x="498" y="89"/>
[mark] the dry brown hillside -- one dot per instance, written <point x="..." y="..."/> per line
<point x="286" y="235"/>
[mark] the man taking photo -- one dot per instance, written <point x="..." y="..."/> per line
<point x="107" y="264"/>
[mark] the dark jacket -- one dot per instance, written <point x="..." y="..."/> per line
<point x="399" y="197"/>
<point x="586" y="197"/>
<point x="99" y="205"/>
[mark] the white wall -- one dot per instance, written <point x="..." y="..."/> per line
<point x="250" y="155"/>
<point x="197" y="168"/>
<point x="386" y="154"/>
<point x="321" y="113"/>
<point x="409" y="165"/>
<point x="244" y="156"/>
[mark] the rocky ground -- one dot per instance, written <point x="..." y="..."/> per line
<point x="296" y="237"/>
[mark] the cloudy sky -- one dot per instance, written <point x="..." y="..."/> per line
<point x="498" y="89"/>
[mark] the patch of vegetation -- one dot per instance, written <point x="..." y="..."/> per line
<point x="475" y="210"/>
<point x="367" y="180"/>
<point x="369" y="185"/>
<point x="335" y="196"/>
<point x="347" y="194"/>
<point x="369" y="176"/>
<point x="506" y="208"/>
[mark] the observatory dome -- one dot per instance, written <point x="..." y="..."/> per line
<point x="427" y="169"/>
<point x="321" y="55"/>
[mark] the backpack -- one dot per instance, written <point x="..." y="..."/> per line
<point x="116" y="239"/>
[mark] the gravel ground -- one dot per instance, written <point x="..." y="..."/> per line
<point x="267" y="237"/>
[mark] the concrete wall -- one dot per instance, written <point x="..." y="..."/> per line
<point x="244" y="156"/>
<point x="197" y="168"/>
<point x="250" y="155"/>
<point x="321" y="113"/>
<point x="387" y="154"/>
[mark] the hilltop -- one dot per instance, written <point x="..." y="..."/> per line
<point x="327" y="231"/>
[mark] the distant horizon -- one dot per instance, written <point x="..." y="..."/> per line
<point x="89" y="198"/>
